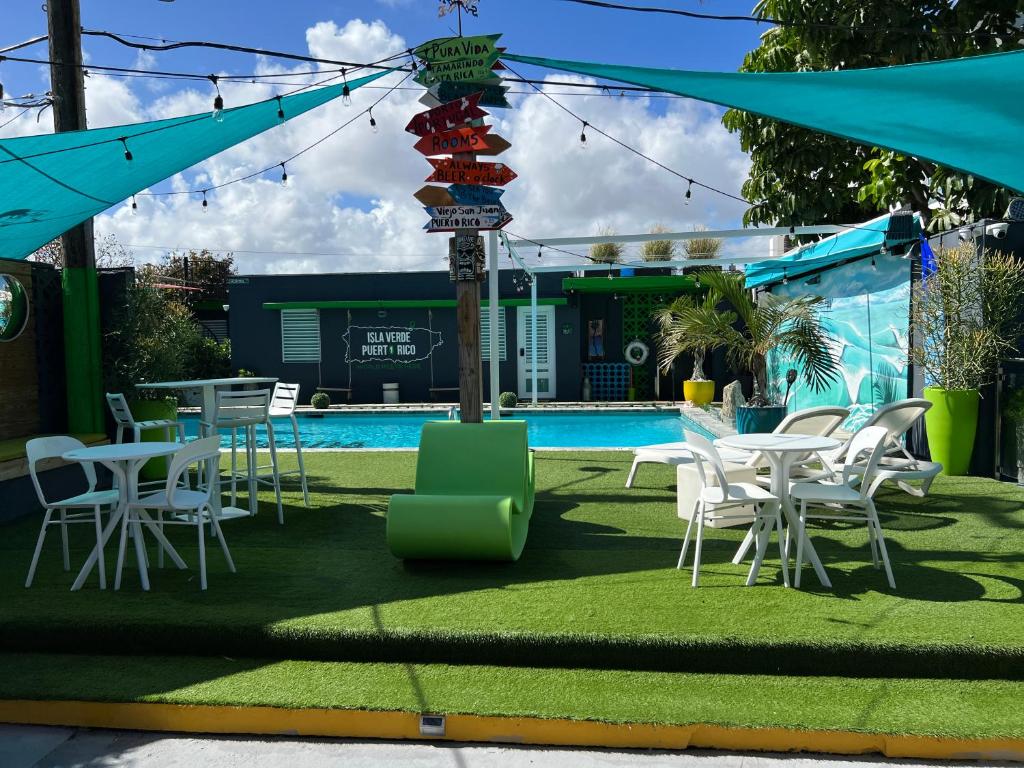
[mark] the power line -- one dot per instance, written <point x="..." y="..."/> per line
<point x="587" y="124"/>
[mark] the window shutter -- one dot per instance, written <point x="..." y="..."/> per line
<point x="300" y="336"/>
<point x="485" y="334"/>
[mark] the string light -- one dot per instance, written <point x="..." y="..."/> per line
<point x="218" y="101"/>
<point x="689" y="190"/>
<point x="127" y="152"/>
<point x="284" y="176"/>
<point x="206" y="206"/>
<point x="412" y="60"/>
<point x="873" y="264"/>
<point x="785" y="277"/>
<point x="583" y="136"/>
<point x="792" y="229"/>
<point x="135" y="206"/>
<point x="346" y="92"/>
<point x="280" y="109"/>
<point x="883" y="250"/>
<point x="373" y="122"/>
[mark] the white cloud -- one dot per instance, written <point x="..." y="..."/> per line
<point x="351" y="197"/>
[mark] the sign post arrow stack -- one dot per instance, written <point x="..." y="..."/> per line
<point x="462" y="74"/>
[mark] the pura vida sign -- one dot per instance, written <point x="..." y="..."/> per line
<point x="389" y="344"/>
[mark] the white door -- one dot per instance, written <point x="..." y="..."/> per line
<point x="545" y="352"/>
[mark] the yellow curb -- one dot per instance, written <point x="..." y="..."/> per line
<point x="366" y="724"/>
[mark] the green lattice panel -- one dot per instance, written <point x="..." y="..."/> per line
<point x="636" y="324"/>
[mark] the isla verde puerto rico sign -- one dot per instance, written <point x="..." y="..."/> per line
<point x="389" y="344"/>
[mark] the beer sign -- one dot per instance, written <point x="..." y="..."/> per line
<point x="453" y="171"/>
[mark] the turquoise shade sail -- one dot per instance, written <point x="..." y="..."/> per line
<point x="966" y="114"/>
<point x="52" y="182"/>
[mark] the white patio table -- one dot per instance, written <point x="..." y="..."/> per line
<point x="781" y="451"/>
<point x="209" y="389"/>
<point x="124" y="460"/>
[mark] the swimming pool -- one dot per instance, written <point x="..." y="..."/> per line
<point x="549" y="429"/>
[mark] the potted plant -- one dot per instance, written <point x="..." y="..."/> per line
<point x="677" y="336"/>
<point x="963" y="319"/>
<point x="749" y="330"/>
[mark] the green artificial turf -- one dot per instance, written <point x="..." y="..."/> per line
<point x="596" y="586"/>
<point x="949" y="708"/>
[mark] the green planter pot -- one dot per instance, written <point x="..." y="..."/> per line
<point x="750" y="419"/>
<point x="951" y="421"/>
<point x="148" y="410"/>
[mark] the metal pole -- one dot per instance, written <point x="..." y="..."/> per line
<point x="533" y="339"/>
<point x="494" y="313"/>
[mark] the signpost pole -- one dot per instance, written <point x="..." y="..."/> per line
<point x="494" y="314"/>
<point x="533" y="338"/>
<point x="467" y="293"/>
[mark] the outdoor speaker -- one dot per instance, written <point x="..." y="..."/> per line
<point x="1015" y="210"/>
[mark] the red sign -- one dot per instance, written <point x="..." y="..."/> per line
<point x="466" y="139"/>
<point x="453" y="114"/>
<point x="455" y="171"/>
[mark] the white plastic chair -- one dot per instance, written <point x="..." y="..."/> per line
<point x="126" y="422"/>
<point x="726" y="496"/>
<point x="41" y="448"/>
<point x="842" y="501"/>
<point x="186" y="506"/>
<point x="897" y="463"/>
<point x="282" y="405"/>
<point x="245" y="410"/>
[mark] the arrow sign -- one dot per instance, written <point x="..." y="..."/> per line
<point x="434" y="196"/>
<point x="458" y="111"/>
<point x="467" y="139"/>
<point x="447" y="218"/>
<point x="454" y="171"/>
<point x="495" y="145"/>
<point x="467" y="194"/>
<point x="452" y="48"/>
<point x="458" y="71"/>
<point x="491" y="94"/>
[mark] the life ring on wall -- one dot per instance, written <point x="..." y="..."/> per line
<point x="637" y="352"/>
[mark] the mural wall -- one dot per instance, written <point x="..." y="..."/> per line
<point x="866" y="313"/>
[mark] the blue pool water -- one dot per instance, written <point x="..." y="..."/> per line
<point x="565" y="429"/>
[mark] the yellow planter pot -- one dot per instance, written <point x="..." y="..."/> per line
<point x="699" y="392"/>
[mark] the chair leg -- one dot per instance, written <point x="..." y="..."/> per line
<point x="202" y="552"/>
<point x="234" y="466"/>
<point x="686" y="539"/>
<point x="252" y="469"/>
<point x="223" y="544"/>
<point x="100" y="563"/>
<point x="632" y="472"/>
<point x="801" y="534"/>
<point x="275" y="469"/>
<point x="783" y="544"/>
<point x="696" y="549"/>
<point x="39" y="548"/>
<point x="873" y="543"/>
<point x="881" y="543"/>
<point x="764" y="532"/>
<point x="159" y="546"/>
<point x="64" y="539"/>
<point x="302" y="466"/>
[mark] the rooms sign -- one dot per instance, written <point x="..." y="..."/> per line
<point x="390" y="344"/>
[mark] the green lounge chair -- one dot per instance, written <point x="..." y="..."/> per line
<point x="474" y="494"/>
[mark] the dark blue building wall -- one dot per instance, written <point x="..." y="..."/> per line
<point x="256" y="333"/>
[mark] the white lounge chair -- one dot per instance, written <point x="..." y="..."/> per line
<point x="810" y="421"/>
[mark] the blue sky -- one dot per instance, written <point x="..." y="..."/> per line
<point x="344" y="210"/>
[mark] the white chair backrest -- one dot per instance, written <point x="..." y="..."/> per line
<point x="119" y="410"/>
<point x="285" y="397"/>
<point x="703" y="450"/>
<point x="40" y="448"/>
<point x="243" y="407"/>
<point x="821" y="421"/>
<point x="193" y="453"/>
<point x="867" y="447"/>
<point x="898" y="417"/>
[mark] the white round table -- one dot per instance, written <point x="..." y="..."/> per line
<point x="781" y="451"/>
<point x="124" y="460"/>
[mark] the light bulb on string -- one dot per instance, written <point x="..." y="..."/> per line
<point x="373" y="122"/>
<point x="1" y="97"/>
<point x="412" y="60"/>
<point x="785" y="277"/>
<point x="346" y="92"/>
<point x="127" y="152"/>
<point x="218" y="101"/>
<point x="689" y="190"/>
<point x="206" y="205"/>
<point x="284" y="176"/>
<point x="873" y="264"/>
<point x="882" y="249"/>
<point x="135" y="206"/>
<point x="280" y="109"/>
<point x="583" y="136"/>
<point x="540" y="252"/>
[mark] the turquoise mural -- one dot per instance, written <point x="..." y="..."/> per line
<point x="866" y="313"/>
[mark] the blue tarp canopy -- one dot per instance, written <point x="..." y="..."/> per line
<point x="966" y="114"/>
<point x="866" y="239"/>
<point x="52" y="182"/>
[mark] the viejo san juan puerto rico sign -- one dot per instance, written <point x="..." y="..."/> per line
<point x="389" y="344"/>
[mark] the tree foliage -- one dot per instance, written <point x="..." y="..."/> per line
<point x="799" y="176"/>
<point x="200" y="270"/>
<point x="110" y="254"/>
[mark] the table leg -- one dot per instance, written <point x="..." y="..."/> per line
<point x="780" y="487"/>
<point x="150" y="523"/>
<point x="115" y="518"/>
<point x="212" y="478"/>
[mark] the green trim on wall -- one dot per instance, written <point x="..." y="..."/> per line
<point x="404" y="304"/>
<point x="635" y="284"/>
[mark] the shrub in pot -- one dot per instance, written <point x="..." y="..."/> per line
<point x="676" y="337"/>
<point x="749" y="330"/>
<point x="508" y="400"/>
<point x="963" y="318"/>
<point x="321" y="401"/>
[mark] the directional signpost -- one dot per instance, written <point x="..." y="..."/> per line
<point x="461" y="74"/>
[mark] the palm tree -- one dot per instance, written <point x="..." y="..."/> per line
<point x="677" y="336"/>
<point x="749" y="331"/>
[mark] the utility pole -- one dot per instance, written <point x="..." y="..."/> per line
<point x="82" y="353"/>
